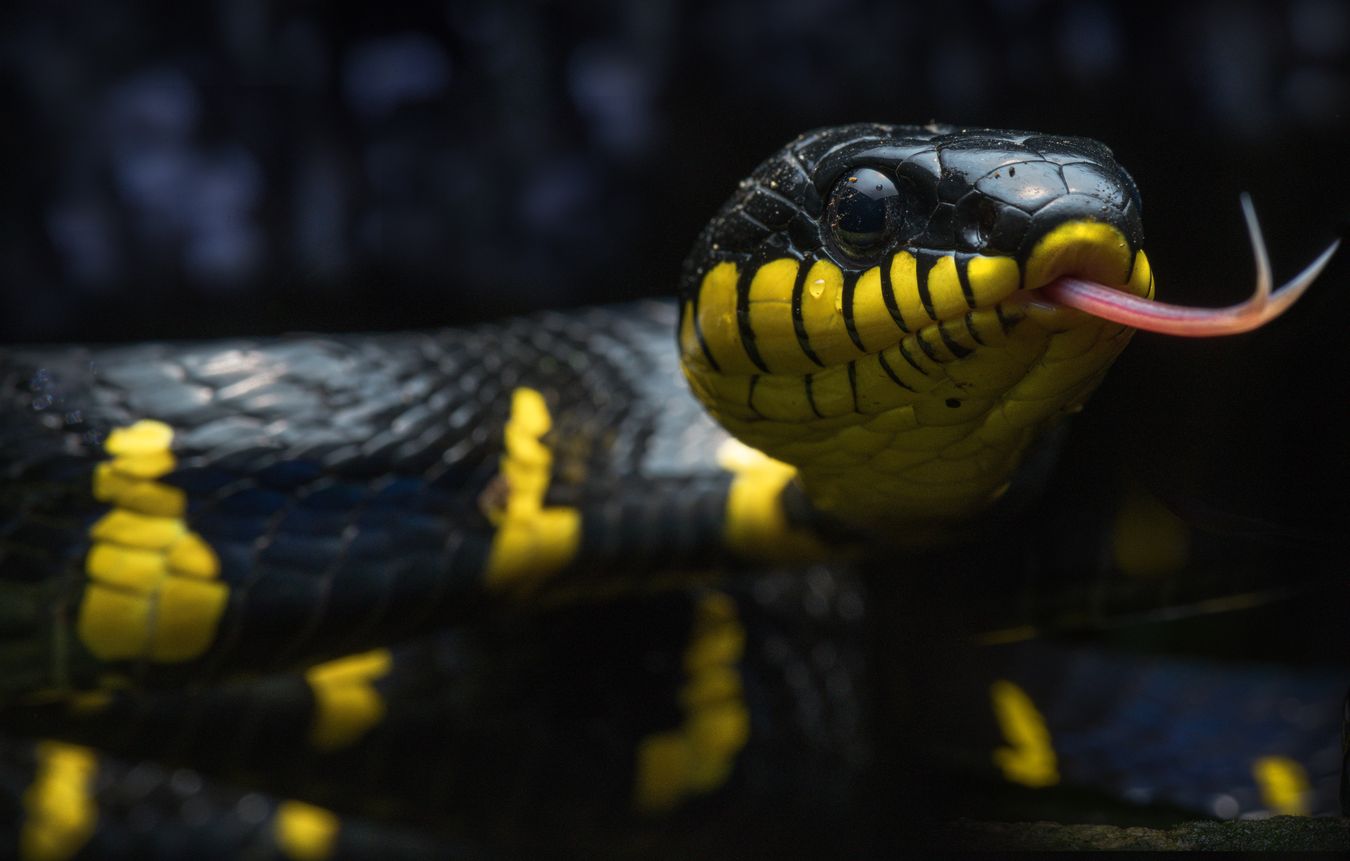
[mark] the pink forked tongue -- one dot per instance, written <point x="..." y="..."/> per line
<point x="1264" y="306"/>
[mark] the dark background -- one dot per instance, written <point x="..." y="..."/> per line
<point x="183" y="170"/>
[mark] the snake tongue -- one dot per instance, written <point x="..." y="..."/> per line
<point x="1264" y="305"/>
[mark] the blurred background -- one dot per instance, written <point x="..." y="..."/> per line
<point x="249" y="167"/>
<point x="245" y="167"/>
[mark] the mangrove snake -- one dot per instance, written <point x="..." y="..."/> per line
<point x="427" y="593"/>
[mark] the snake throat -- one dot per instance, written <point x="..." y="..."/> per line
<point x="910" y="391"/>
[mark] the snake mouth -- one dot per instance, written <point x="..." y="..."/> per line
<point x="1059" y="285"/>
<point x="1084" y="252"/>
<point x="797" y="324"/>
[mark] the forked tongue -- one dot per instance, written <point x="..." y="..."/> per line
<point x="1263" y="306"/>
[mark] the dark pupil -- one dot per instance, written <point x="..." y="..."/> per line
<point x="860" y="210"/>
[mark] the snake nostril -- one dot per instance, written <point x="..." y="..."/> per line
<point x="978" y="223"/>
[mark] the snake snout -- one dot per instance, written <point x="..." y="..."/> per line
<point x="1092" y="230"/>
<point x="1064" y="207"/>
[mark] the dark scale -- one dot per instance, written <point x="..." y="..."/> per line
<point x="523" y="732"/>
<point x="326" y="473"/>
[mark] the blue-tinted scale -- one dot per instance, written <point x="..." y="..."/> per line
<point x="339" y="497"/>
<point x="401" y="494"/>
<point x="200" y="483"/>
<point x="1144" y="711"/>
<point x="409" y="528"/>
<point x="318" y="522"/>
<point x="1189" y="735"/>
<point x="252" y="502"/>
<point x="222" y="527"/>
<point x="300" y="551"/>
<point x="235" y="557"/>
<point x="373" y="544"/>
<point x="289" y="474"/>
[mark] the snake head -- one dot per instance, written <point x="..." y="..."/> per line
<point x="865" y="307"/>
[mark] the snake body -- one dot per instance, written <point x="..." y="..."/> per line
<point x="461" y="581"/>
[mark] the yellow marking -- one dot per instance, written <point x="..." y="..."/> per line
<point x="144" y="466"/>
<point x="717" y="319"/>
<point x="756" y="526"/>
<point x="60" y="812"/>
<point x="114" y="625"/>
<point x="992" y="279"/>
<point x="713" y="684"/>
<point x="130" y="529"/>
<point x="861" y="441"/>
<point x="894" y="421"/>
<point x="135" y="494"/>
<point x="944" y="288"/>
<point x="1029" y="759"/>
<point x="1141" y="279"/>
<point x="698" y="756"/>
<point x="190" y="556"/>
<point x="1086" y="249"/>
<point x="771" y="317"/>
<point x="831" y="392"/>
<point x="876" y="327"/>
<point x="143" y="439"/>
<point x="305" y="832"/>
<point x="347" y="705"/>
<point x="152" y="590"/>
<point x="689" y="346"/>
<point x="823" y="314"/>
<point x="1284" y="785"/>
<point x="531" y="541"/>
<point x="877" y="391"/>
<point x="783" y="398"/>
<point x="1148" y="540"/>
<point x="136" y="570"/>
<point x="732" y="392"/>
<point x="905" y="285"/>
<point x="186" y="622"/>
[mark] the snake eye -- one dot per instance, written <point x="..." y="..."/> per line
<point x="863" y="212"/>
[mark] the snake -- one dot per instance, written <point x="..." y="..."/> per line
<point x="595" y="579"/>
